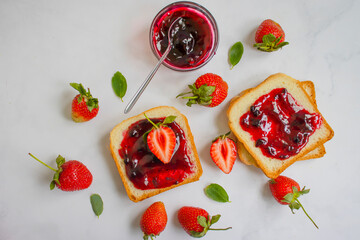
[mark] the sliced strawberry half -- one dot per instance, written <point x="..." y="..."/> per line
<point x="223" y="153"/>
<point x="161" y="139"/>
<point x="161" y="142"/>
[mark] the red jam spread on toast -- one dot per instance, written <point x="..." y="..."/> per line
<point x="143" y="168"/>
<point x="278" y="125"/>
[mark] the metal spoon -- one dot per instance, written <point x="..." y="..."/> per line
<point x="152" y="73"/>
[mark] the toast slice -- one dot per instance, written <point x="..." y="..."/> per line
<point x="318" y="152"/>
<point x="117" y="136"/>
<point x="272" y="167"/>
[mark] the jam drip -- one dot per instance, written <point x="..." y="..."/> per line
<point x="192" y="37"/>
<point x="143" y="168"/>
<point x="278" y="125"/>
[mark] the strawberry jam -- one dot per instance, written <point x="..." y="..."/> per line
<point x="194" y="37"/>
<point x="278" y="125"/>
<point x="143" y="168"/>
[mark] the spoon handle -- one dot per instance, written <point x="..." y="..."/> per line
<point x="146" y="82"/>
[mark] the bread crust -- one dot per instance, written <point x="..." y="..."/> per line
<point x="270" y="166"/>
<point x="117" y="135"/>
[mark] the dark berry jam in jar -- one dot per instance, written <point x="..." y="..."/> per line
<point x="278" y="125"/>
<point x="195" y="37"/>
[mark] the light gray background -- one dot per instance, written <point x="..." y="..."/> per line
<point x="46" y="44"/>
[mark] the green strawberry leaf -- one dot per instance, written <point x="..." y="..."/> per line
<point x="60" y="160"/>
<point x="205" y="90"/>
<point x="119" y="85"/>
<point x="91" y="102"/>
<point x="169" y="119"/>
<point x="304" y="191"/>
<point x="52" y="185"/>
<point x="217" y="193"/>
<point x="277" y="40"/>
<point x="146" y="134"/>
<point x="202" y="221"/>
<point x="223" y="136"/>
<point x="270" y="43"/>
<point x="79" y="87"/>
<point x="215" y="219"/>
<point x="197" y="234"/>
<point x="288" y="198"/>
<point x="146" y="237"/>
<point x="191" y="102"/>
<point x="271" y="38"/>
<point x="97" y="204"/>
<point x="282" y="44"/>
<point x="192" y="87"/>
<point x="294" y="205"/>
<point x="201" y="95"/>
<point x="235" y="53"/>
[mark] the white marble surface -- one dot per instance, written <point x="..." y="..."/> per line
<point x="46" y="44"/>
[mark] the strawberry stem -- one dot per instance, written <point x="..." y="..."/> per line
<point x="151" y="121"/>
<point x="182" y="94"/>
<point x="42" y="162"/>
<point x="306" y="213"/>
<point x="220" y="229"/>
<point x="193" y="97"/>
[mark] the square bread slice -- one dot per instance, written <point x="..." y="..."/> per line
<point x="117" y="135"/>
<point x="270" y="166"/>
<point x="318" y="152"/>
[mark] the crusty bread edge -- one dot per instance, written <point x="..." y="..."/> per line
<point x="149" y="193"/>
<point x="287" y="163"/>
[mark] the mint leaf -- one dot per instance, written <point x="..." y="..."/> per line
<point x="119" y="85"/>
<point x="217" y="193"/>
<point x="97" y="204"/>
<point x="235" y="53"/>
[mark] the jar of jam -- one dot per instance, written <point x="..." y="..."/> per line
<point x="195" y="37"/>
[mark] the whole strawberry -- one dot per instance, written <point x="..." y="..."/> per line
<point x="286" y="191"/>
<point x="70" y="176"/>
<point x="196" y="221"/>
<point x="209" y="90"/>
<point x="84" y="106"/>
<point x="269" y="36"/>
<point x="223" y="153"/>
<point x="154" y="220"/>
